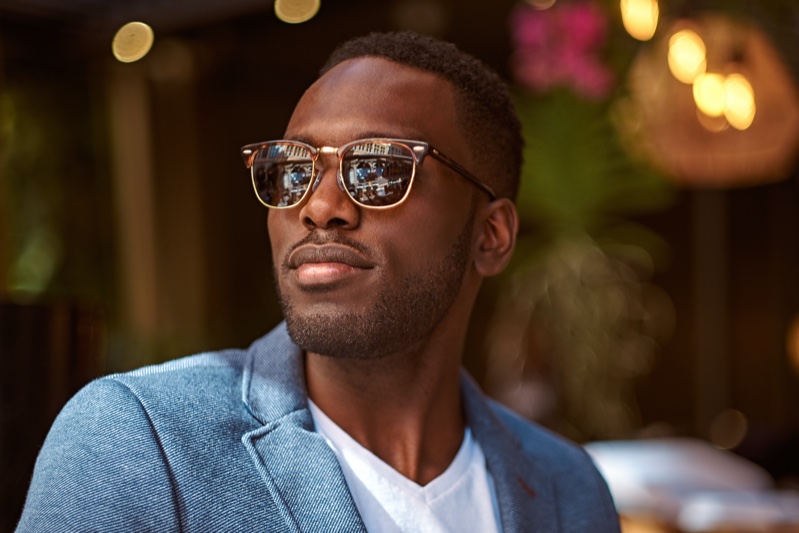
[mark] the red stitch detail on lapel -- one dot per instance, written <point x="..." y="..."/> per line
<point x="529" y="490"/>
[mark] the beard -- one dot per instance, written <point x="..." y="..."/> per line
<point x="400" y="316"/>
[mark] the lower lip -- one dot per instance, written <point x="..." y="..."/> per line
<point x="324" y="273"/>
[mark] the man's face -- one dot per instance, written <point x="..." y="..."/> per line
<point x="365" y="283"/>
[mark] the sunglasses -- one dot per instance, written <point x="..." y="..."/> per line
<point x="375" y="173"/>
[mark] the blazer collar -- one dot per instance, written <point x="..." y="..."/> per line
<point x="525" y="489"/>
<point x="273" y="383"/>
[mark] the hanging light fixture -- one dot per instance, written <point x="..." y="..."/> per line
<point x="713" y="105"/>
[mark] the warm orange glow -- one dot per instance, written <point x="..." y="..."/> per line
<point x="792" y="343"/>
<point x="713" y="124"/>
<point x="687" y="56"/>
<point x="709" y="94"/>
<point x="640" y="18"/>
<point x="132" y="42"/>
<point x="739" y="108"/>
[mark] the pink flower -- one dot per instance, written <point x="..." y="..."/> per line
<point x="560" y="47"/>
<point x="529" y="29"/>
<point x="584" y="25"/>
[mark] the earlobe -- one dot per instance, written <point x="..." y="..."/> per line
<point x="496" y="237"/>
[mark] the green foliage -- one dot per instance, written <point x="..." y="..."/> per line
<point x="577" y="179"/>
<point x="56" y="210"/>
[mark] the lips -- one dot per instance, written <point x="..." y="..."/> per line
<point x="326" y="265"/>
<point x="328" y="253"/>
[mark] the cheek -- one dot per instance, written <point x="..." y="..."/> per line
<point x="276" y="226"/>
<point x="425" y="236"/>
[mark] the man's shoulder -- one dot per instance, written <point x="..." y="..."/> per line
<point x="232" y="381"/>
<point x="201" y="373"/>
<point x="580" y="492"/>
<point x="198" y="370"/>
<point x="144" y="433"/>
<point x="181" y="388"/>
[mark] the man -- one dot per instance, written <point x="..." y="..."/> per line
<point x="390" y="200"/>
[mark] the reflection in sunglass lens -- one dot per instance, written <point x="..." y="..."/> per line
<point x="377" y="173"/>
<point x="282" y="173"/>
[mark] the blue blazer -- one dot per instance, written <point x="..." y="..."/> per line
<point x="224" y="441"/>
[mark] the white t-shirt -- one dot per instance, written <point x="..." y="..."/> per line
<point x="461" y="499"/>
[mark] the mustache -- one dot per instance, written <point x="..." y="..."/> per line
<point x="316" y="238"/>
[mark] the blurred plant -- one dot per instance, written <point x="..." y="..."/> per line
<point x="576" y="317"/>
<point x="54" y="210"/>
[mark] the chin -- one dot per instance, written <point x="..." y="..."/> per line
<point x="348" y="335"/>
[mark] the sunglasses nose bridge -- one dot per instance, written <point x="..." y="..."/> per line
<point x="332" y="156"/>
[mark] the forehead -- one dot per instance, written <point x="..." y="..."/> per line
<point x="371" y="96"/>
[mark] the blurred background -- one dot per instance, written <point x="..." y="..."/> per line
<point x="653" y="301"/>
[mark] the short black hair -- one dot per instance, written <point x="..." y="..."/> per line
<point x="484" y="106"/>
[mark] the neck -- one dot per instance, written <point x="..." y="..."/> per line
<point x="404" y="408"/>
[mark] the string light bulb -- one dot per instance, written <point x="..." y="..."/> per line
<point x="739" y="103"/>
<point x="687" y="56"/>
<point x="709" y="94"/>
<point x="640" y="18"/>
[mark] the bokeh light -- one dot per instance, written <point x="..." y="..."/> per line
<point x="296" y="11"/>
<point x="728" y="429"/>
<point x="709" y="94"/>
<point x="687" y="56"/>
<point x="132" y="42"/>
<point x="640" y="18"/>
<point x="541" y="4"/>
<point x="739" y="108"/>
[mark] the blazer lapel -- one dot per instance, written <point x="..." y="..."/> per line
<point x="303" y="476"/>
<point x="525" y="491"/>
<point x="300" y="470"/>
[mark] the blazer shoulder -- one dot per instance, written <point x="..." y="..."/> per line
<point x="101" y="468"/>
<point x="117" y="450"/>
<point x="118" y="398"/>
<point x="206" y="362"/>
<point x="578" y="482"/>
<point x="536" y="439"/>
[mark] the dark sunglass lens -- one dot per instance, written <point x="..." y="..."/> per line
<point x="377" y="173"/>
<point x="281" y="173"/>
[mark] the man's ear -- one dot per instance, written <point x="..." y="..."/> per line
<point x="495" y="236"/>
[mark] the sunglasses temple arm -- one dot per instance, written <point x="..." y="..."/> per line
<point x="463" y="172"/>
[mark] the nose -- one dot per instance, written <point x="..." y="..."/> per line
<point x="328" y="206"/>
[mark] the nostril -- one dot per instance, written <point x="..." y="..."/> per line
<point x="334" y="222"/>
<point x="337" y="222"/>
